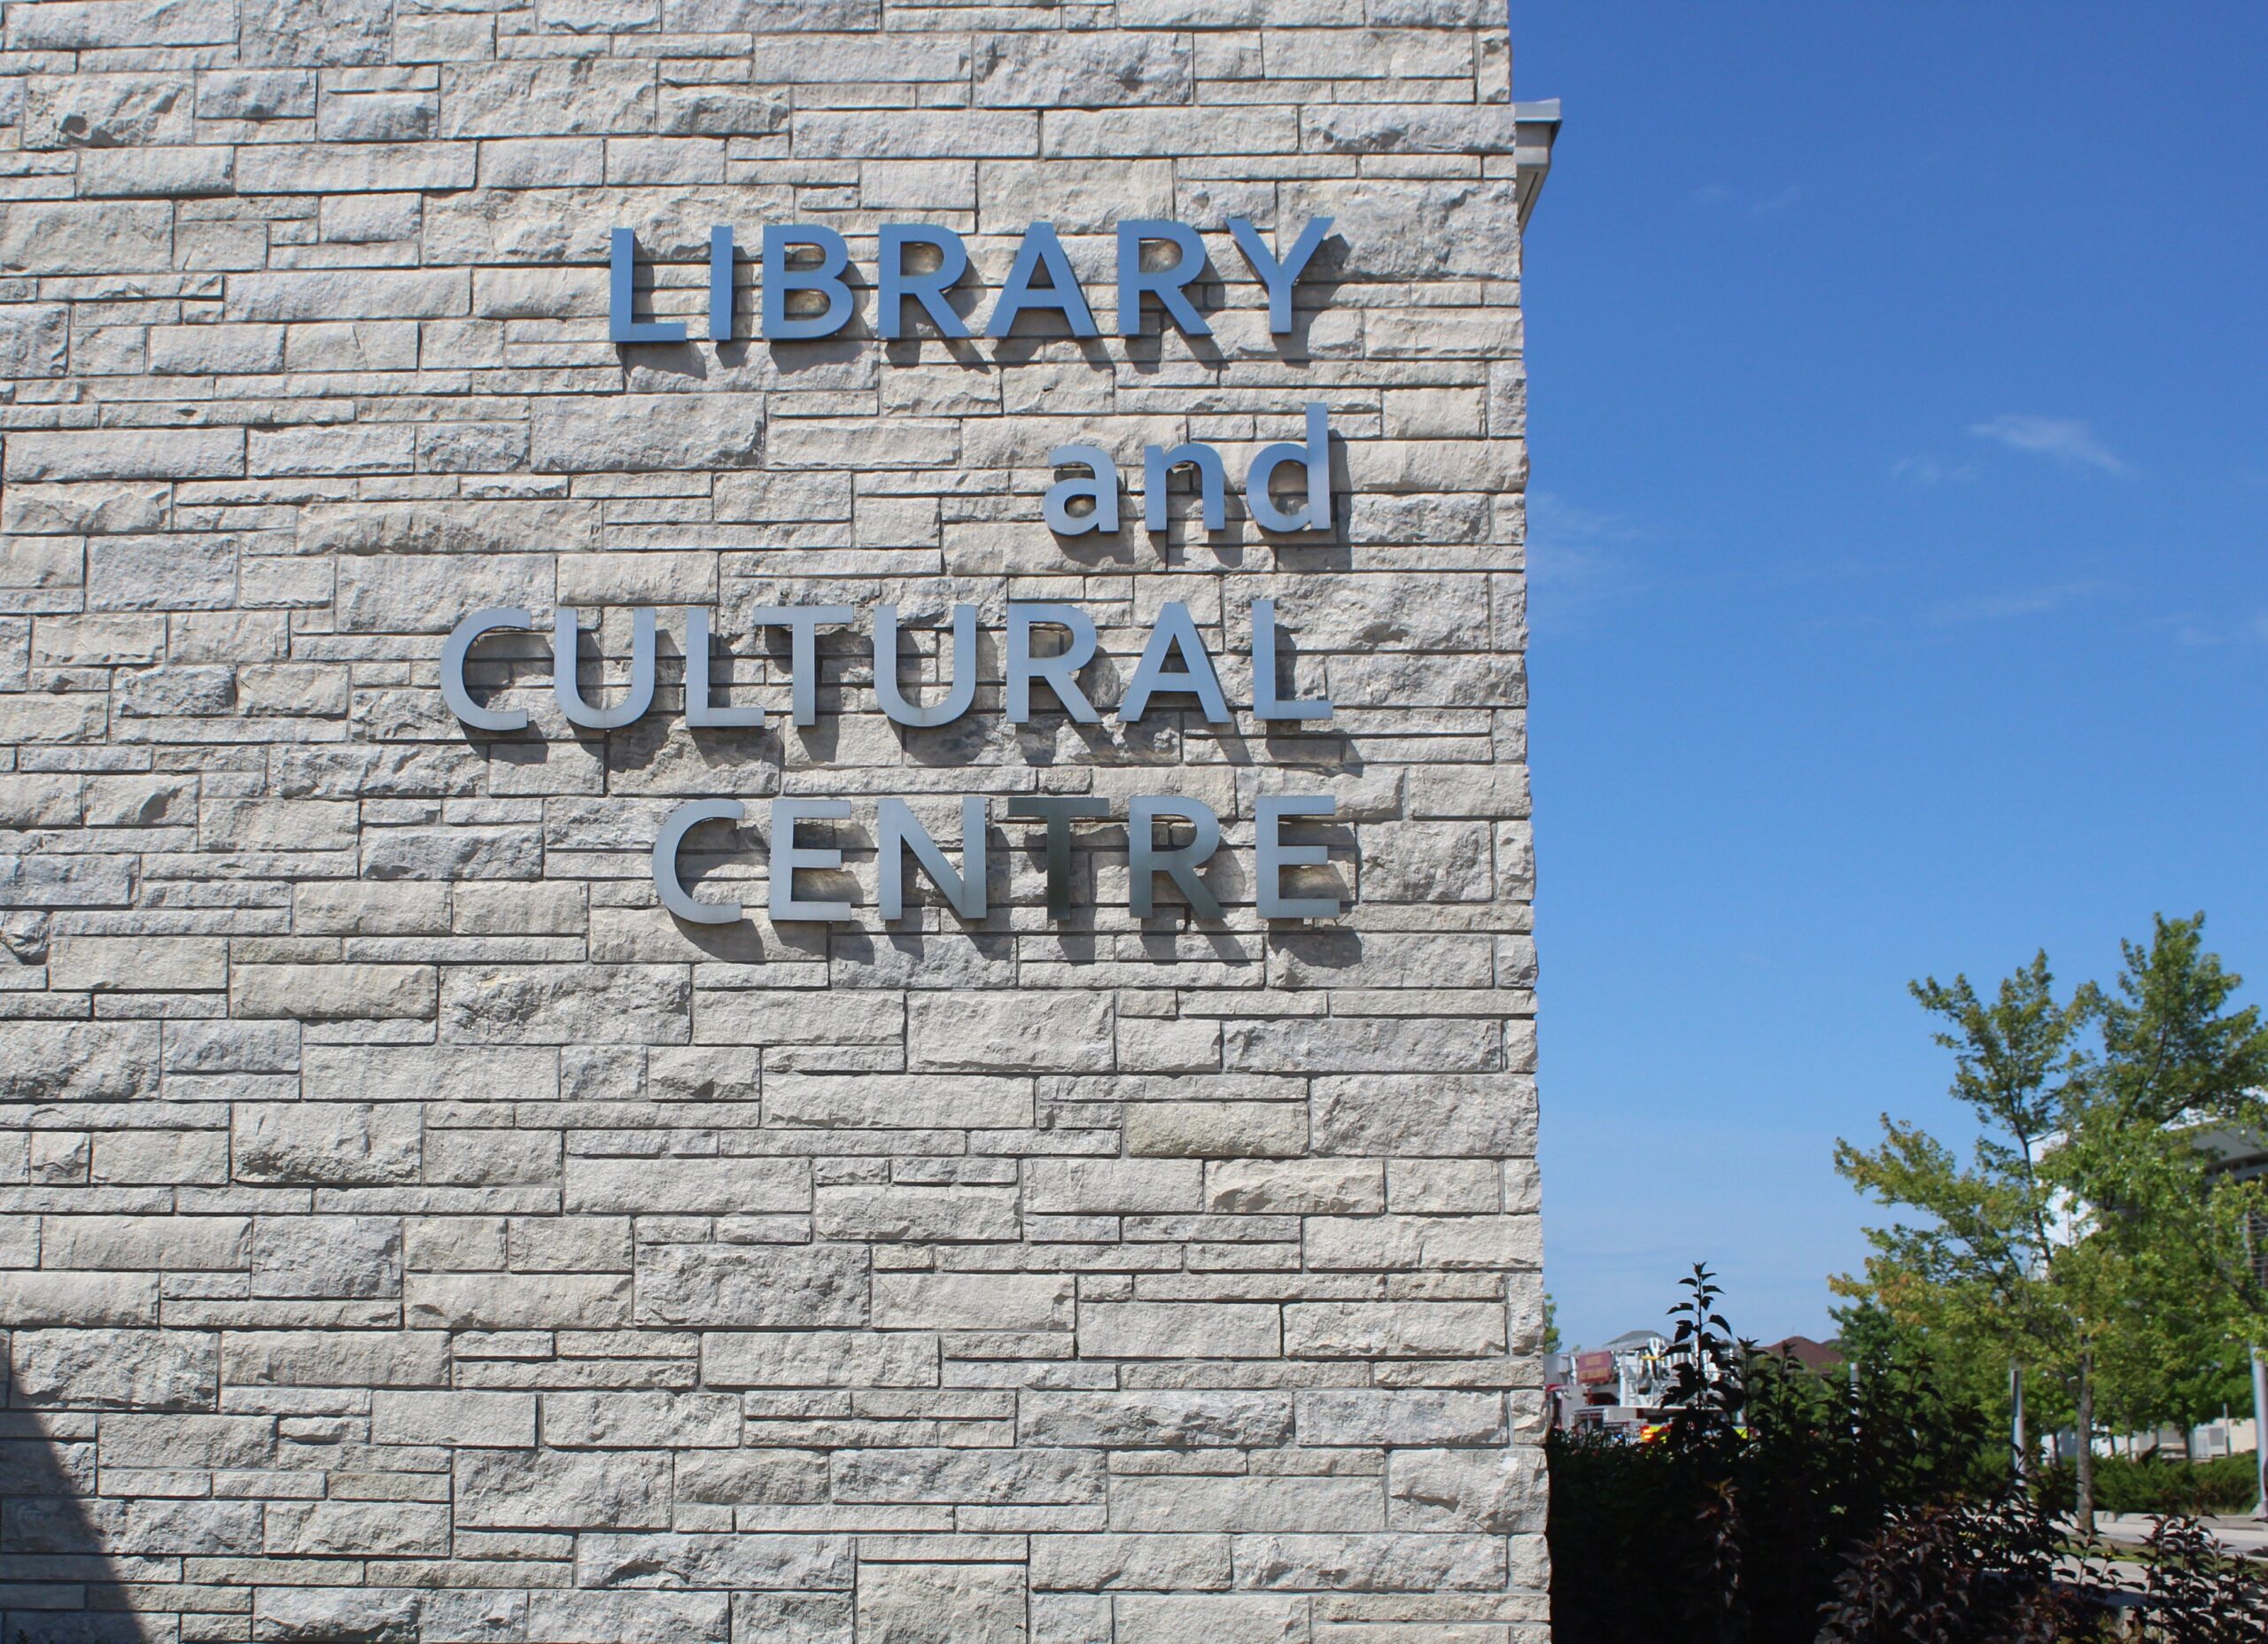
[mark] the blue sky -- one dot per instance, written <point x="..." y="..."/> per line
<point x="1899" y="438"/>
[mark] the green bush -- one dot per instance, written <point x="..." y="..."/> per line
<point x="2160" y="1484"/>
<point x="1999" y="1572"/>
<point x="1782" y="1508"/>
<point x="1734" y="1526"/>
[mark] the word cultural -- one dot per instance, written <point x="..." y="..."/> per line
<point x="823" y="282"/>
<point x="1174" y="662"/>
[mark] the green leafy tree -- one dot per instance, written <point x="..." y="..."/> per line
<point x="1984" y="1276"/>
<point x="2087" y="1237"/>
<point x="2178" y="1068"/>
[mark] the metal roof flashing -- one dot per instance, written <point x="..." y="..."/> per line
<point x="1535" y="126"/>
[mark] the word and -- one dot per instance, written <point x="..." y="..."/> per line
<point x="1099" y="486"/>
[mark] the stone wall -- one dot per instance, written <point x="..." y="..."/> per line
<point x="410" y="1230"/>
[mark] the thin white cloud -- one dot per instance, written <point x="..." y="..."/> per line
<point x="2189" y="628"/>
<point x="1575" y="561"/>
<point x="2068" y="440"/>
<point x="2015" y="603"/>
<point x="1710" y="196"/>
<point x="1930" y="471"/>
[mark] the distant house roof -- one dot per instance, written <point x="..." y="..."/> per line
<point x="1818" y="1357"/>
<point x="2236" y="1153"/>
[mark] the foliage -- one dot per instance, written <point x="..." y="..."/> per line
<point x="2197" y="1593"/>
<point x="2175" y="1060"/>
<point x="1960" y="1572"/>
<point x="2084" y="1239"/>
<point x="1779" y="1506"/>
<point x="1983" y="1277"/>
<point x="1999" y="1572"/>
<point x="2161" y="1485"/>
<point x="1733" y="1525"/>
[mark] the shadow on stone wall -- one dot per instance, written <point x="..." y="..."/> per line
<point x="58" y="1583"/>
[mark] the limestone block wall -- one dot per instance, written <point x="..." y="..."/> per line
<point x="410" y="1231"/>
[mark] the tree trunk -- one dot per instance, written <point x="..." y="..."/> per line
<point x="2084" y="1507"/>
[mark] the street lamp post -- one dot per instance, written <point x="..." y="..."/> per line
<point x="2016" y="1431"/>
<point x="2257" y="1258"/>
<point x="2260" y="1432"/>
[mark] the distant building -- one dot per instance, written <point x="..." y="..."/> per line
<point x="1625" y="1385"/>
<point x="1820" y="1358"/>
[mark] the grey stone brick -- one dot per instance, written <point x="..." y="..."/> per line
<point x="536" y="1489"/>
<point x="1025" y="1477"/>
<point x="638" y="432"/>
<point x="143" y="454"/>
<point x="1098" y="1564"/>
<point x="35" y="339"/>
<point x="819" y="1358"/>
<point x="744" y="1285"/>
<point x="483" y="1420"/>
<point x="46" y="1300"/>
<point x="759" y="1561"/>
<point x="327" y="1256"/>
<point x="1180" y="1330"/>
<point x="335" y="1144"/>
<point x="78" y="1061"/>
<point x="914" y="1603"/>
<point x="116" y="1370"/>
<point x="63" y="237"/>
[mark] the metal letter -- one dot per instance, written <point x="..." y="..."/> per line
<point x="1177" y="631"/>
<point x="803" y="622"/>
<point x="569" y="694"/>
<point x="1059" y="814"/>
<point x="1165" y="284"/>
<point x="896" y="283"/>
<point x="1100" y="485"/>
<point x="698" y="709"/>
<point x="670" y="841"/>
<point x="1060" y="670"/>
<point x="720" y="284"/>
<point x="1266" y="704"/>
<point x="779" y="279"/>
<point x="789" y="858"/>
<point x="1062" y="293"/>
<point x="621" y="287"/>
<point x="958" y="695"/>
<point x="457" y="647"/>
<point x="1275" y="856"/>
<point x="899" y="830"/>
<point x="1144" y="861"/>
<point x="1279" y="277"/>
<point x="1315" y="454"/>
<point x="1212" y="483"/>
